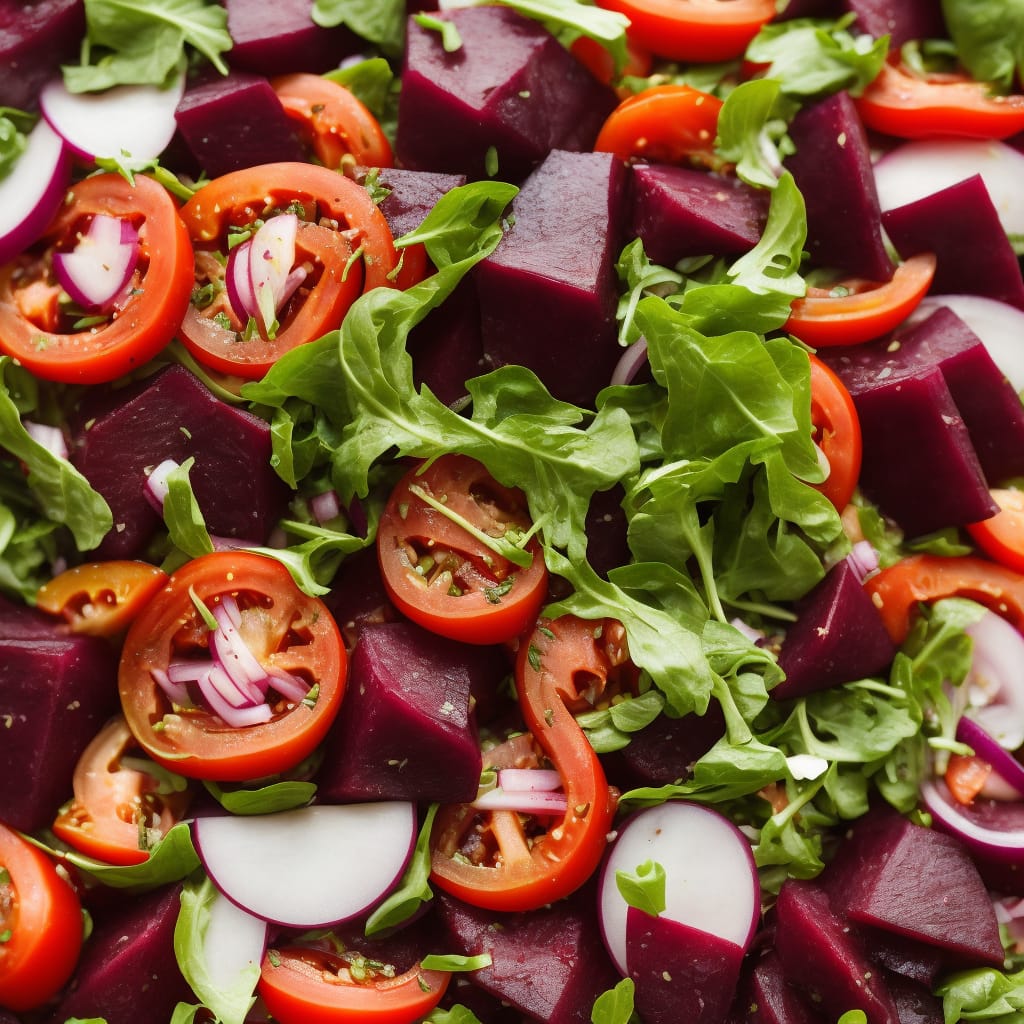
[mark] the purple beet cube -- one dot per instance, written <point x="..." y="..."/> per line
<point x="838" y="637"/>
<point x="775" y="999"/>
<point x="404" y="731"/>
<point x="510" y="88"/>
<point x="679" y="212"/>
<point x="173" y="415"/>
<point x="548" y="292"/>
<point x="901" y="20"/>
<point x="411" y="195"/>
<point x="955" y="220"/>
<point x="36" y="37"/>
<point x="236" y="121"/>
<point x="832" y="168"/>
<point x="56" y="692"/>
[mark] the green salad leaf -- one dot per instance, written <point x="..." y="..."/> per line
<point x="989" y="38"/>
<point x="381" y="22"/>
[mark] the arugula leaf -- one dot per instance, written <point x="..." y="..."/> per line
<point x="457" y="1014"/>
<point x="643" y="888"/>
<point x="374" y="83"/>
<point x="989" y="38"/>
<point x="377" y="21"/>
<point x="616" y="1005"/>
<point x="14" y="128"/>
<point x="751" y="132"/>
<point x="142" y="42"/>
<point x="182" y="514"/>
<point x="275" y="796"/>
<point x="449" y="32"/>
<point x="455" y="962"/>
<point x="982" y="993"/>
<point x="28" y="544"/>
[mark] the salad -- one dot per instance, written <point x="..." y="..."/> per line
<point x="511" y="512"/>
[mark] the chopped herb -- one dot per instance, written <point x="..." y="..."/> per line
<point x="311" y="698"/>
<point x="534" y="658"/>
<point x="491" y="162"/>
<point x="222" y="320"/>
<point x="495" y="594"/>
<point x="274" y="957"/>
<point x="450" y="38"/>
<point x="204" y="612"/>
<point x="6" y="935"/>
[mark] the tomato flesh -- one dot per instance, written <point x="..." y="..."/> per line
<point x="1002" y="536"/>
<point x="837" y="434"/>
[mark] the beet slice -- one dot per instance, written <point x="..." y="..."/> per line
<point x="128" y="972"/>
<point x="36" y="37"/>
<point x="174" y="416"/>
<point x="832" y="168"/>
<point x="776" y="1001"/>
<point x="915" y="1003"/>
<point x="411" y="195"/>
<point x="510" y="88"/>
<point x="901" y="20"/>
<point x="548" y="292"/>
<point x="55" y="693"/>
<point x="404" y="730"/>
<point x="823" y="957"/>
<point x="956" y="220"/>
<point x="908" y="957"/>
<point x="681" y="973"/>
<point x="678" y="212"/>
<point x="549" y="963"/>
<point x="838" y="637"/>
<point x="236" y="121"/>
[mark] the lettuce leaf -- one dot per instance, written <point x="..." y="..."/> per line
<point x="989" y="38"/>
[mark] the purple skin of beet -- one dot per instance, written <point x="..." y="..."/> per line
<point x="35" y="39"/>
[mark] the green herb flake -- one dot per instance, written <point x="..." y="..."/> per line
<point x="491" y="161"/>
<point x="451" y="41"/>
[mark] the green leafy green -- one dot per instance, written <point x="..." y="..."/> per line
<point x="616" y="1005"/>
<point x="284" y="795"/>
<point x="457" y="1014"/>
<point x="381" y="22"/>
<point x="989" y="38"/>
<point x="182" y="514"/>
<point x="14" y="128"/>
<point x="373" y="81"/>
<point x="643" y="888"/>
<point x="455" y="962"/>
<point x="751" y="132"/>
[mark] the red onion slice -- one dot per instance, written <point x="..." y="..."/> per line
<point x="529" y="780"/>
<point x="51" y="438"/>
<point x="995" y="684"/>
<point x="174" y="690"/>
<point x="156" y="487"/>
<point x="523" y="802"/>
<point x="325" y="506"/>
<point x="1007" y="779"/>
<point x="238" y="282"/>
<point x="236" y="717"/>
<point x="863" y="559"/>
<point x="271" y="259"/>
<point x="994" y="831"/>
<point x="289" y="686"/>
<point x="630" y="363"/>
<point x="96" y="272"/>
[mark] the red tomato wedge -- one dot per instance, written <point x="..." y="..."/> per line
<point x="1002" y="536"/>
<point x="837" y="434"/>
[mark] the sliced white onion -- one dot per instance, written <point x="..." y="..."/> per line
<point x="156" y="487"/>
<point x="128" y="122"/>
<point x="96" y="272"/>
<point x="995" y="683"/>
<point x="522" y="801"/>
<point x="529" y="780"/>
<point x="51" y="438"/>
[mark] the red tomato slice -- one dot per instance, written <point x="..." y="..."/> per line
<point x="114" y="806"/>
<point x="694" y="30"/>
<point x="46" y="340"/>
<point x="837" y="434"/>
<point x="601" y="64"/>
<point x="855" y="310"/>
<point x="442" y="576"/>
<point x="301" y="985"/>
<point x="910" y="106"/>
<point x="283" y="627"/>
<point x="1002" y="536"/>
<point x="966" y="777"/>
<point x="41" y="921"/>
<point x="558" y="659"/>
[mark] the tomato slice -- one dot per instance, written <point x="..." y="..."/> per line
<point x="667" y="124"/>
<point x="694" y="30"/>
<point x="485" y="858"/>
<point x="101" y="598"/>
<point x="897" y="590"/>
<point x="837" y="434"/>
<point x="284" y="628"/>
<point x="47" y="341"/>
<point x="335" y="123"/>
<point x="966" y="777"/>
<point x="302" y="985"/>
<point x="903" y="103"/>
<point x="1002" y="536"/>
<point x="442" y="576"/>
<point x="601" y="64"/>
<point x="117" y="812"/>
<point x="41" y="922"/>
<point x="856" y="310"/>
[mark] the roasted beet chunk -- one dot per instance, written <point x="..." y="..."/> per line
<point x="900" y="20"/>
<point x="174" y="416"/>
<point x="36" y="37"/>
<point x="510" y="89"/>
<point x="548" y="292"/>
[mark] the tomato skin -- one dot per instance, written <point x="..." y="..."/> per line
<point x="838" y="435"/>
<point x="144" y="322"/>
<point x="897" y="590"/>
<point x="101" y="598"/>
<point x="45" y="923"/>
<point x="871" y="308"/>
<point x="408" y="522"/>
<point x="1002" y="536"/>
<point x="901" y="103"/>
<point x="196" y="743"/>
<point x="292" y="985"/>
<point x="549" y="664"/>
<point x="693" y="30"/>
<point x="600" y="63"/>
<point x="668" y="124"/>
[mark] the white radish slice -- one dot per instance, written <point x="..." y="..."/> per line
<point x="128" y="122"/>
<point x="310" y="867"/>
<point x="919" y="168"/>
<point x="31" y="193"/>
<point x="711" y="881"/>
<point x="234" y="941"/>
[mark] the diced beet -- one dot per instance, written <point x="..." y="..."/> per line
<point x="128" y="972"/>
<point x="236" y="121"/>
<point x="955" y="220"/>
<point x="36" y="37"/>
<point x="358" y="597"/>
<point x="280" y="37"/>
<point x="915" y="1003"/>
<point x="510" y="88"/>
<point x="548" y="292"/>
<point x="823" y="957"/>
<point x="919" y="463"/>
<point x="915" y="881"/>
<point x="681" y="973"/>
<point x="832" y="168"/>
<point x="549" y="963"/>
<point x="412" y="195"/>
<point x="838" y="637"/>
<point x="899" y="954"/>
<point x="901" y="20"/>
<point x="679" y="211"/>
<point x="20" y="622"/>
<point x="55" y="694"/>
<point x="607" y="542"/>
<point x="174" y="416"/>
<point x="487" y="1008"/>
<point x="809" y="9"/>
<point x="404" y="731"/>
<point x="774" y="999"/>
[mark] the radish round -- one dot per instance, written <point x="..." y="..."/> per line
<point x="310" y="867"/>
<point x="711" y="881"/>
<point x="31" y="193"/>
<point x="133" y="122"/>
